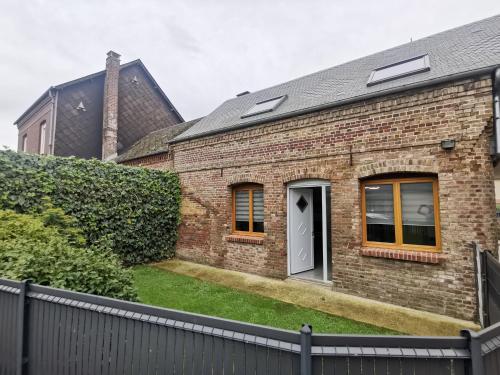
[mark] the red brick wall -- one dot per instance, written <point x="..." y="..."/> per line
<point x="400" y="133"/>
<point x="159" y="161"/>
<point x="31" y="128"/>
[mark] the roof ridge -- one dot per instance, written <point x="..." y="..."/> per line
<point x="169" y="127"/>
<point x="370" y="55"/>
<point x="455" y="53"/>
<point x="69" y="83"/>
<point x="170" y="105"/>
<point x="92" y="75"/>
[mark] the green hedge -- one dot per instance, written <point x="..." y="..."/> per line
<point x="135" y="210"/>
<point x="47" y="249"/>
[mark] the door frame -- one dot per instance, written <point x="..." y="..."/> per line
<point x="309" y="183"/>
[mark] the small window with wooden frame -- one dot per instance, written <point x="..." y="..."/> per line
<point x="401" y="213"/>
<point x="248" y="210"/>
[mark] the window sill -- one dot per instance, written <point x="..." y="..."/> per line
<point x="411" y="256"/>
<point x="245" y="239"/>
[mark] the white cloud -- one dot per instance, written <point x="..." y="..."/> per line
<point x="203" y="52"/>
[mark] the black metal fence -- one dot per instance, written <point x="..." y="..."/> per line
<point x="488" y="286"/>
<point x="51" y="331"/>
<point x="492" y="270"/>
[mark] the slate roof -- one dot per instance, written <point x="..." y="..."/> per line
<point x="155" y="142"/>
<point x="97" y="75"/>
<point x="143" y="108"/>
<point x="463" y="51"/>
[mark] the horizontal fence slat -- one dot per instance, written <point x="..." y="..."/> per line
<point x="11" y="283"/>
<point x="342" y="351"/>
<point x="432" y="342"/>
<point x="74" y="333"/>
<point x="490" y="332"/>
<point x="85" y="300"/>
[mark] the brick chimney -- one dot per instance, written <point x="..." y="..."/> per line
<point x="110" y="107"/>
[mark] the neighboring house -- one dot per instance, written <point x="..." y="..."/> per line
<point x="373" y="176"/>
<point x="97" y="116"/>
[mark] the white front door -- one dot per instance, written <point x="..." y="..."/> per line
<point x="301" y="230"/>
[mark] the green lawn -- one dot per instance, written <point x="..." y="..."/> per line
<point x="162" y="288"/>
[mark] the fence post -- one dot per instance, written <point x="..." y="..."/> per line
<point x="305" y="350"/>
<point x="22" y="329"/>
<point x="476" y="357"/>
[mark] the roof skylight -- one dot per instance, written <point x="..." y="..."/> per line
<point x="400" y="69"/>
<point x="264" y="106"/>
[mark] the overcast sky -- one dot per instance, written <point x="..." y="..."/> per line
<point x="203" y="52"/>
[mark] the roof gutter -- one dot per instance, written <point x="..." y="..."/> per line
<point x="55" y="100"/>
<point x="432" y="82"/>
<point x="496" y="108"/>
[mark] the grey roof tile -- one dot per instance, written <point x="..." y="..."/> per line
<point x="468" y="48"/>
<point x="100" y="75"/>
<point x="155" y="142"/>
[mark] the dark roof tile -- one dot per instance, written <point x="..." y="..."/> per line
<point x="155" y="142"/>
<point x="467" y="49"/>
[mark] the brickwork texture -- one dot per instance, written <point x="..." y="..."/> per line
<point x="398" y="134"/>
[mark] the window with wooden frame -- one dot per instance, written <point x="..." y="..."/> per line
<point x="401" y="213"/>
<point x="248" y="210"/>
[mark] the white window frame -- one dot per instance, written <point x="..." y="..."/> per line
<point x="24" y="144"/>
<point x="43" y="133"/>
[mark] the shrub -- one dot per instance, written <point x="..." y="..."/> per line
<point x="49" y="250"/>
<point x="135" y="210"/>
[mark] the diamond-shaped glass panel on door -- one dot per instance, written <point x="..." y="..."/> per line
<point x="302" y="203"/>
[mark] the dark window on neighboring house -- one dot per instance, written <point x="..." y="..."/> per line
<point x="248" y="209"/>
<point x="401" y="213"/>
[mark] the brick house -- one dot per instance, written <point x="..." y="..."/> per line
<point x="372" y="177"/>
<point x="97" y="116"/>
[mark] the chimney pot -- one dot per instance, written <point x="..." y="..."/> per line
<point x="113" y="54"/>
